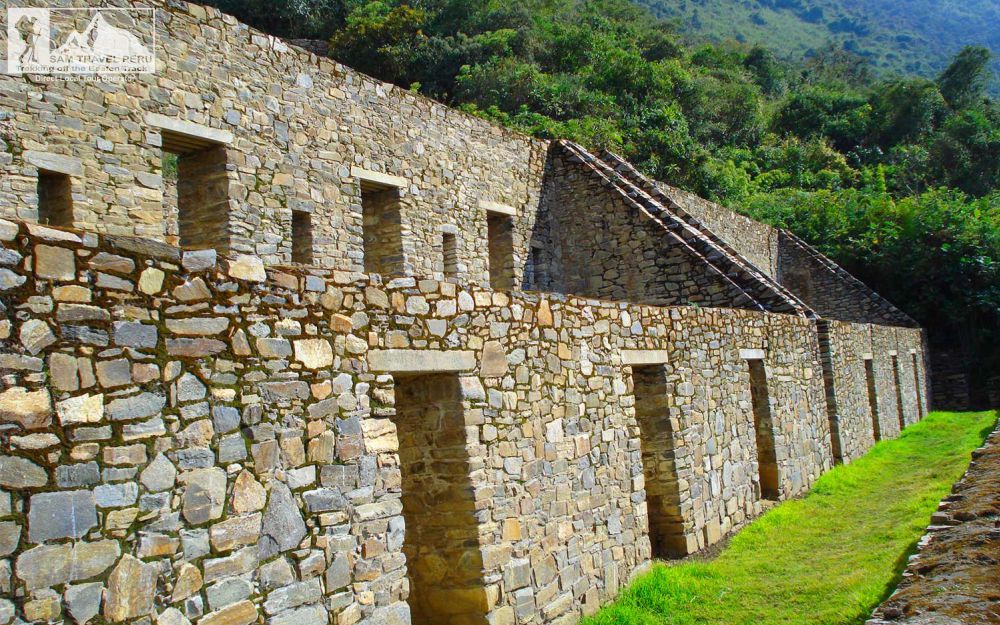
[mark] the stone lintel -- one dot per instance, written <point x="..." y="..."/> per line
<point x="189" y="129"/>
<point x="867" y="356"/>
<point x="420" y="361"/>
<point x="57" y="163"/>
<point x="913" y="352"/>
<point x="893" y="352"/>
<point x="752" y="354"/>
<point x="376" y="177"/>
<point x="644" y="357"/>
<point x="497" y="207"/>
<point x="450" y="229"/>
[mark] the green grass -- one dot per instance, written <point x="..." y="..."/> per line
<point x="828" y="558"/>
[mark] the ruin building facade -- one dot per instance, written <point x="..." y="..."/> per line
<point x="285" y="344"/>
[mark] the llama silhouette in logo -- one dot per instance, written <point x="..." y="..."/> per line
<point x="102" y="43"/>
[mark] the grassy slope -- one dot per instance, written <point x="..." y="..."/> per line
<point x="828" y="558"/>
<point x="918" y="37"/>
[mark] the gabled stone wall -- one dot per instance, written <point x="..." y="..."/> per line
<point x="596" y="244"/>
<point x="755" y="241"/>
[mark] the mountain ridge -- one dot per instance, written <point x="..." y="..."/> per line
<point x="916" y="37"/>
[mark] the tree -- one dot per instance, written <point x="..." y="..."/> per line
<point x="963" y="84"/>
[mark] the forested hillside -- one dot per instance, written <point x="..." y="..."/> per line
<point x="896" y="179"/>
<point x="914" y="37"/>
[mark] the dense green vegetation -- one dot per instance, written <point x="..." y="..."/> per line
<point x="916" y="37"/>
<point x="896" y="179"/>
<point x="828" y="558"/>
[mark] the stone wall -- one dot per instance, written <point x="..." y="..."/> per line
<point x="299" y="132"/>
<point x="828" y="289"/>
<point x="753" y="240"/>
<point x="595" y="243"/>
<point x="225" y="437"/>
<point x="853" y="344"/>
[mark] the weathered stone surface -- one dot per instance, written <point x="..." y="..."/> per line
<point x="172" y="616"/>
<point x="239" y="563"/>
<point x="194" y="348"/>
<point x="204" y="494"/>
<point x="139" y="406"/>
<point x="32" y="410"/>
<point x="199" y="260"/>
<point x="66" y="514"/>
<point x="198" y="326"/>
<point x="17" y="473"/>
<point x="159" y="475"/>
<point x="112" y="263"/>
<point x="64" y="372"/>
<point x="294" y="595"/>
<point x="10" y="537"/>
<point x="135" y="334"/>
<point x="114" y="373"/>
<point x="249" y="268"/>
<point x="116" y="495"/>
<point x="83" y="601"/>
<point x="242" y="613"/>
<point x="188" y="581"/>
<point x="227" y="592"/>
<point x="274" y="348"/>
<point x="36" y="335"/>
<point x="192" y="291"/>
<point x="310" y="614"/>
<point x="77" y="475"/>
<point x="151" y="281"/>
<point x="7" y="611"/>
<point x="494" y="363"/>
<point x="248" y="494"/>
<point x="10" y="280"/>
<point x="283" y="527"/>
<point x="43" y="607"/>
<point x="324" y="500"/>
<point x="314" y="353"/>
<point x="81" y="409"/>
<point x="235" y="532"/>
<point x="125" y="455"/>
<point x="51" y="565"/>
<point x="131" y="589"/>
<point x="55" y="263"/>
<point x="190" y="388"/>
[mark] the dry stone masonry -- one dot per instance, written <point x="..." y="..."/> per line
<point x="363" y="359"/>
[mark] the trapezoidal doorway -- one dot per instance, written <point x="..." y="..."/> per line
<point x="763" y="425"/>
<point x="441" y="544"/>
<point x="873" y="399"/>
<point x="659" y="464"/>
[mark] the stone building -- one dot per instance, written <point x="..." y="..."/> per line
<point x="372" y="360"/>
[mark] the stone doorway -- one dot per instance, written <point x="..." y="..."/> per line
<point x="763" y="425"/>
<point x="899" y="393"/>
<point x="873" y="398"/>
<point x="659" y="464"/>
<point x="55" y="199"/>
<point x="381" y="212"/>
<point x="196" y="175"/>
<point x="916" y="387"/>
<point x="444" y="560"/>
<point x="500" y="234"/>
